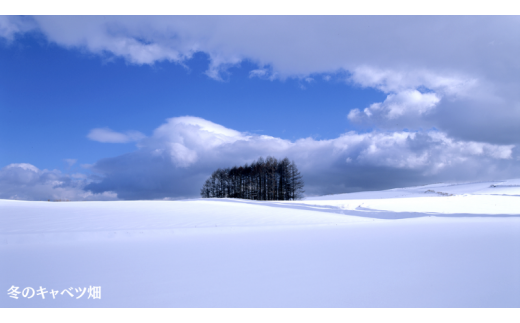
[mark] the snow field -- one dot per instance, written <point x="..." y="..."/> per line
<point x="333" y="251"/>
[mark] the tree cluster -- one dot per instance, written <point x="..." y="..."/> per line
<point x="264" y="180"/>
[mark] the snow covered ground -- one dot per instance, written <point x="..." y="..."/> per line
<point x="441" y="245"/>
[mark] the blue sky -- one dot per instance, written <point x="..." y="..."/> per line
<point x="96" y="107"/>
<point x="52" y="97"/>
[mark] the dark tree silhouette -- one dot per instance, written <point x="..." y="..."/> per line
<point x="267" y="179"/>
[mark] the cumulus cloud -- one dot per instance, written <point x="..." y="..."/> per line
<point x="107" y="135"/>
<point x="412" y="96"/>
<point x="27" y="182"/>
<point x="392" y="80"/>
<point x="176" y="160"/>
<point x="182" y="153"/>
<point x="402" y="105"/>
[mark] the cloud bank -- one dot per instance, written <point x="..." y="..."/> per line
<point x="179" y="156"/>
<point x="27" y="182"/>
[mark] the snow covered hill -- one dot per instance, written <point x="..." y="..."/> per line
<point x="483" y="198"/>
<point x="440" y="245"/>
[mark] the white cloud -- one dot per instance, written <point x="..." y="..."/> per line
<point x="107" y="135"/>
<point x="292" y="46"/>
<point x="180" y="155"/>
<point x="449" y="56"/>
<point x="12" y="25"/>
<point x="24" y="166"/>
<point x="411" y="95"/>
<point x="436" y="71"/>
<point x="258" y="73"/>
<point x="220" y="64"/>
<point x="184" y="138"/>
<point x="402" y="104"/>
<point x="27" y="182"/>
<point x="392" y="80"/>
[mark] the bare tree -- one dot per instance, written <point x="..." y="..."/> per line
<point x="267" y="179"/>
<point x="296" y="182"/>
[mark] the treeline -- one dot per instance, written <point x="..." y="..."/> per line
<point x="264" y="180"/>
